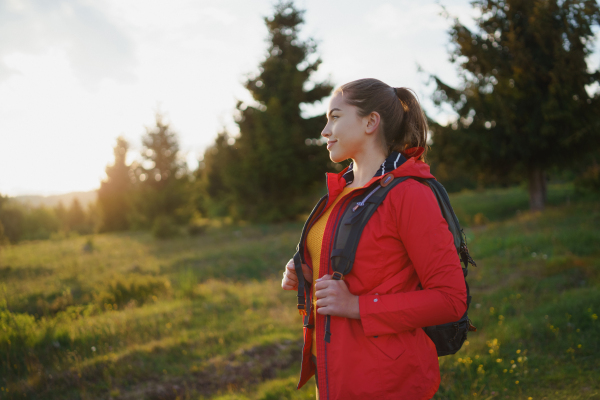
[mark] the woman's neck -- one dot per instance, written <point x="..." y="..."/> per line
<point x="364" y="168"/>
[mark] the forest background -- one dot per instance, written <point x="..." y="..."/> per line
<point x="520" y="157"/>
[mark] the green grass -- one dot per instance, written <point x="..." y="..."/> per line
<point x="205" y="318"/>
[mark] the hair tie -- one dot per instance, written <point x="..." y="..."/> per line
<point x="395" y="91"/>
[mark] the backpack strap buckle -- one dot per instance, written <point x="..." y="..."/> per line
<point x="337" y="276"/>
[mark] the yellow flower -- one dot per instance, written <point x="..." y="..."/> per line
<point x="498" y="360"/>
<point x="505" y="370"/>
<point x="491" y="351"/>
<point x="519" y="351"/>
<point x="578" y="346"/>
<point x="594" y="317"/>
<point x="517" y="382"/>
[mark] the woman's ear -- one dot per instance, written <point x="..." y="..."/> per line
<point x="373" y="120"/>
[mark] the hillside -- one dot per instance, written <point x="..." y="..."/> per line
<point x="66" y="199"/>
<point x="205" y="317"/>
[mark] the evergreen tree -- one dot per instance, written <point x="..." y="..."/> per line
<point x="114" y="193"/>
<point x="161" y="150"/>
<point x="211" y="195"/>
<point x="76" y="218"/>
<point x="523" y="107"/>
<point x="273" y="165"/>
<point x="162" y="175"/>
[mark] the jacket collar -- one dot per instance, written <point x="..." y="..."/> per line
<point x="337" y="182"/>
<point x="394" y="160"/>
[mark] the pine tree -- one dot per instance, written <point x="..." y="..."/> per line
<point x="211" y="195"/>
<point x="523" y="106"/>
<point x="114" y="193"/>
<point x="161" y="150"/>
<point x="161" y="189"/>
<point x="274" y="166"/>
<point x="76" y="218"/>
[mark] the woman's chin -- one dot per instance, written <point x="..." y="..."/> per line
<point x="336" y="158"/>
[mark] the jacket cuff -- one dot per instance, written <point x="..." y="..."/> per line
<point x="371" y="307"/>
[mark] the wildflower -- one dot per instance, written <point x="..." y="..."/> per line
<point x="519" y="351"/>
<point x="579" y="346"/>
<point x="505" y="370"/>
<point x="517" y="382"/>
<point x="498" y="360"/>
<point x="594" y="317"/>
<point x="530" y="398"/>
<point x="578" y="330"/>
<point x="513" y="366"/>
<point x="520" y="359"/>
<point x="511" y="371"/>
<point x="491" y="351"/>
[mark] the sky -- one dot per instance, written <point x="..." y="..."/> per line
<point x="76" y="74"/>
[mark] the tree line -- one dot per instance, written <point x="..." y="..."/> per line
<point x="525" y="109"/>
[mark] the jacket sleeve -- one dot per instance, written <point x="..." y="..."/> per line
<point x="430" y="247"/>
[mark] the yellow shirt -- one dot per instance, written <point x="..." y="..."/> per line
<point x="314" y="243"/>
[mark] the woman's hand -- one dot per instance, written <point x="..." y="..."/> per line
<point x="334" y="298"/>
<point x="290" y="278"/>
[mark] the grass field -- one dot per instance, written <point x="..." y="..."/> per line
<point x="205" y="318"/>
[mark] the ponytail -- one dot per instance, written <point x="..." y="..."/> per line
<point x="404" y="124"/>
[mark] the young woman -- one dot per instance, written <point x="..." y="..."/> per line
<point x="406" y="272"/>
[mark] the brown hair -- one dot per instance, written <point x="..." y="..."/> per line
<point x="404" y="124"/>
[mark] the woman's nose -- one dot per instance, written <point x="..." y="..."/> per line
<point x="326" y="132"/>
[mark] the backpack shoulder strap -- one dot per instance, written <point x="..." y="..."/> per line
<point x="353" y="222"/>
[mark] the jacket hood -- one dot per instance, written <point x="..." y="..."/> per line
<point x="406" y="163"/>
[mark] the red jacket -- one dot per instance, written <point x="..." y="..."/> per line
<point x="407" y="275"/>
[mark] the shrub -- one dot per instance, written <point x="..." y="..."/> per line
<point x="135" y="287"/>
<point x="589" y="180"/>
<point x="164" y="227"/>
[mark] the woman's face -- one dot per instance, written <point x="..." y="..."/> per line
<point x="345" y="130"/>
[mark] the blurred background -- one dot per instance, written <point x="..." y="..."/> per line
<point x="157" y="160"/>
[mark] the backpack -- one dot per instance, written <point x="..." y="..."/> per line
<point x="448" y="338"/>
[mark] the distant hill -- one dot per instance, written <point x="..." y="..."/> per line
<point x="84" y="198"/>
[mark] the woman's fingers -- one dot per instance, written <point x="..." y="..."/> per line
<point x="290" y="267"/>
<point x="290" y="280"/>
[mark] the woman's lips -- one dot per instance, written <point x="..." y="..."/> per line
<point x="329" y="144"/>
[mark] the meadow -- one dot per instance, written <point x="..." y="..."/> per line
<point x="126" y="316"/>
